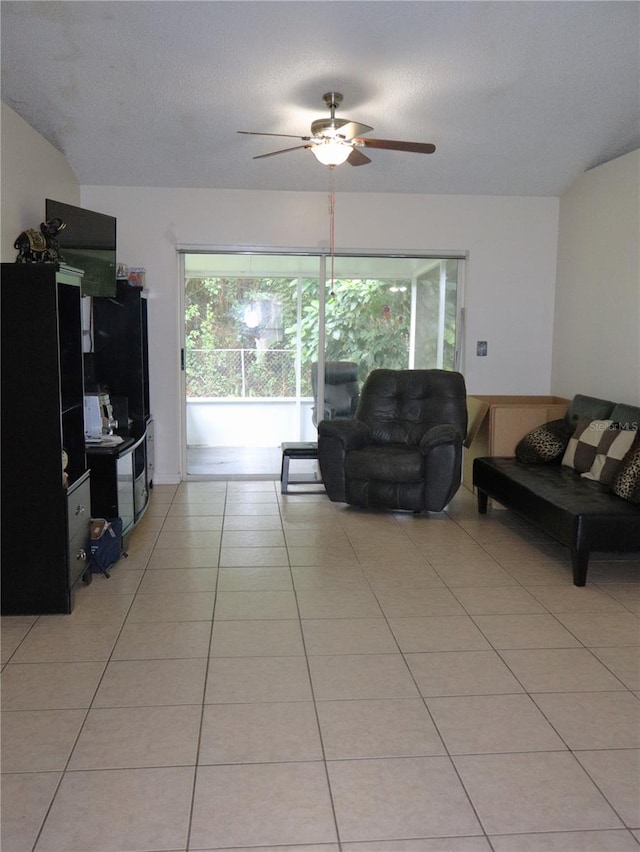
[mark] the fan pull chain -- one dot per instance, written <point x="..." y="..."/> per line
<point x="332" y="226"/>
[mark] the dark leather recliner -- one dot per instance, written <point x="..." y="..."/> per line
<point x="403" y="450"/>
<point x="341" y="390"/>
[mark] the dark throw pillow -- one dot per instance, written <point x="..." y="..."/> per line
<point x="626" y="482"/>
<point x="544" y="444"/>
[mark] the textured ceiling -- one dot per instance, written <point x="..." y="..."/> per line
<point x="519" y="97"/>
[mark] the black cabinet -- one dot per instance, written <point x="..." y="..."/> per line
<point x="45" y="507"/>
<point x="122" y="476"/>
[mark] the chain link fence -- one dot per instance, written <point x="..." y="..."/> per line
<point x="242" y="373"/>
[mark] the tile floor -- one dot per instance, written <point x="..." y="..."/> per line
<point x="279" y="673"/>
<point x="234" y="462"/>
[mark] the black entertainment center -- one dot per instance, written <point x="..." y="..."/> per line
<point x="53" y="480"/>
<point x="122" y="476"/>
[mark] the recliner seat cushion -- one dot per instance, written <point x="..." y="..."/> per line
<point x="385" y="463"/>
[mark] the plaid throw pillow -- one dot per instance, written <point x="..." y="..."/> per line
<point x="596" y="449"/>
<point x="613" y="447"/>
<point x="583" y="444"/>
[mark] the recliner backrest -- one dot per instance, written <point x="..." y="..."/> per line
<point x="341" y="386"/>
<point x="401" y="405"/>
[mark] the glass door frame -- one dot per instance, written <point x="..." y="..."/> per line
<point x="322" y="254"/>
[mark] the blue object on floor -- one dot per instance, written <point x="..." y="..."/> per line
<point x="105" y="545"/>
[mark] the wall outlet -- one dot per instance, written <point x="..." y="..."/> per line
<point x="481" y="347"/>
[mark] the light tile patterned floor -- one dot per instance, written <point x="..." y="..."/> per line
<point x="275" y="672"/>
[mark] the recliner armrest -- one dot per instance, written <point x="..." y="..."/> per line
<point x="437" y="436"/>
<point x="335" y="439"/>
<point x="329" y="412"/>
<point x="350" y="434"/>
<point x="442" y="450"/>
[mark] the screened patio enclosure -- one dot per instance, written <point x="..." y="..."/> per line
<point x="254" y="322"/>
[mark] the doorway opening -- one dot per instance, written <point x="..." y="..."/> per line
<point x="254" y="323"/>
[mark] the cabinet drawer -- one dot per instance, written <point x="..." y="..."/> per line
<point x="140" y="494"/>
<point x="79" y="509"/>
<point x="150" y="452"/>
<point x="78" y="553"/>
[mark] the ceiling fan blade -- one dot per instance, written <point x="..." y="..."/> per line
<point x="343" y="126"/>
<point x="392" y="145"/>
<point x="281" y="151"/>
<point x="357" y="158"/>
<point x="286" y="135"/>
<point x="349" y="129"/>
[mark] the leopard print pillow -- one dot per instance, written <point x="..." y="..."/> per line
<point x="626" y="483"/>
<point x="544" y="444"/>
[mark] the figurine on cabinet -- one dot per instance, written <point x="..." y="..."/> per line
<point x="40" y="246"/>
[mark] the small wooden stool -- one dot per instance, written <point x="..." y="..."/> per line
<point x="302" y="450"/>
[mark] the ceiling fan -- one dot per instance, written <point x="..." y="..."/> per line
<point x="336" y="140"/>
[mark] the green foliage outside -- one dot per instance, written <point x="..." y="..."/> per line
<point x="426" y="355"/>
<point x="365" y="321"/>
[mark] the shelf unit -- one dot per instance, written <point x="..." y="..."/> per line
<point x="122" y="476"/>
<point x="120" y="481"/>
<point x="45" y="514"/>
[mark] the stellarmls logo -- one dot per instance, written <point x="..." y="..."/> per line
<point x="618" y="426"/>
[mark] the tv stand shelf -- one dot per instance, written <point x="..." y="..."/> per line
<point x="119" y="480"/>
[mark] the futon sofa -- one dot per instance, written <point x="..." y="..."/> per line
<point x="577" y="479"/>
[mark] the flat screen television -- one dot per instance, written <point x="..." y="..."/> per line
<point x="89" y="243"/>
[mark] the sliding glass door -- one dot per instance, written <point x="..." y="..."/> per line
<point x="397" y="313"/>
<point x="255" y="323"/>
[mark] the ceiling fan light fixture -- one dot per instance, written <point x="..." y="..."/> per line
<point x="338" y="140"/>
<point x="331" y="152"/>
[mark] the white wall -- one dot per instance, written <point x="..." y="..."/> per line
<point x="32" y="170"/>
<point x="596" y="345"/>
<point x="509" y="288"/>
<point x="511" y="273"/>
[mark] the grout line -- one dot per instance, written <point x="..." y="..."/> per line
<point x="313" y="698"/>
<point x="383" y="616"/>
<point x="196" y="767"/>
